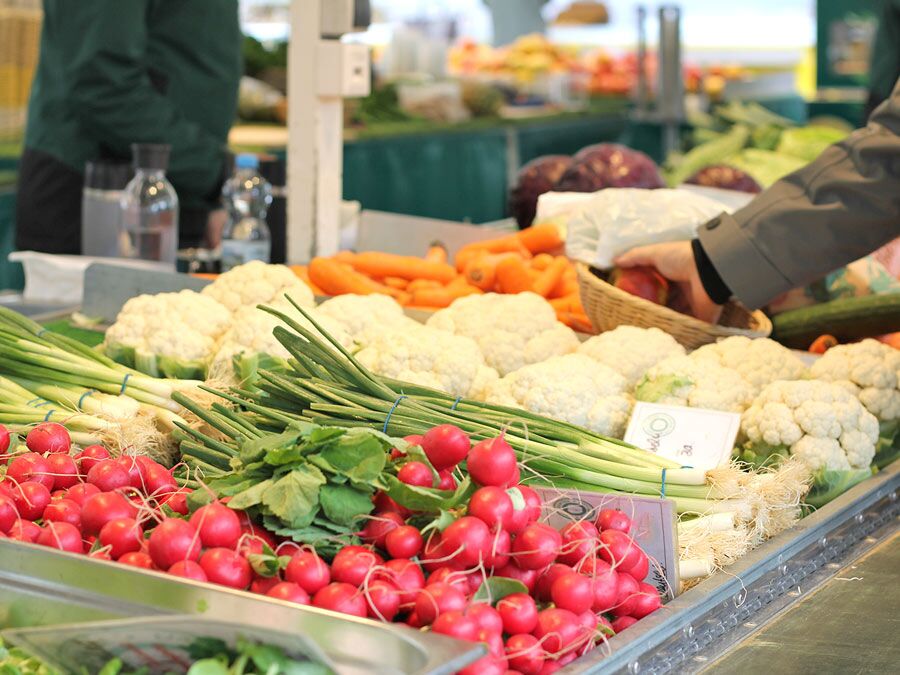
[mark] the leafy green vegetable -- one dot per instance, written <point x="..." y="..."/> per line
<point x="343" y="504"/>
<point x="294" y="497"/>
<point x="808" y="142"/>
<point x="494" y="589"/>
<point x="828" y="485"/>
<point x="660" y="387"/>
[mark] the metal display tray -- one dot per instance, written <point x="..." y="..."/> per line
<point x="42" y="587"/>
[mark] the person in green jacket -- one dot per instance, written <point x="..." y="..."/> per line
<point x="116" y="72"/>
<point x="884" y="67"/>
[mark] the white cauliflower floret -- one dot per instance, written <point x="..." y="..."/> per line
<point x="256" y="283"/>
<point x="869" y="368"/>
<point x="428" y="357"/>
<point x="631" y="351"/>
<point x="760" y="361"/>
<point x="821" y="423"/>
<point x="363" y="316"/>
<point x="697" y="383"/>
<point x="573" y="388"/>
<point x="511" y="330"/>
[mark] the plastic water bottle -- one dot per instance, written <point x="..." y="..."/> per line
<point x="149" y="208"/>
<point x="247" y="197"/>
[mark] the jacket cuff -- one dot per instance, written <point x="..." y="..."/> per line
<point x="752" y="278"/>
<point x="712" y="282"/>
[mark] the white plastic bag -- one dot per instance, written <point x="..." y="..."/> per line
<point x="615" y="220"/>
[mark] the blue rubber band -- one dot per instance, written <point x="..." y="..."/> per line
<point x="391" y="412"/>
<point x="89" y="392"/>
<point x="662" y="490"/>
<point x="41" y="332"/>
<point x="456" y="403"/>
<point x="124" y="383"/>
<point x="42" y="403"/>
<point x="47" y="416"/>
<point x="35" y="400"/>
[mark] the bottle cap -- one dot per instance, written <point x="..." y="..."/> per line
<point x="150" y="155"/>
<point x="107" y="175"/>
<point x="246" y="161"/>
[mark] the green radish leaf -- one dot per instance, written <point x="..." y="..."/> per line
<point x="295" y="496"/>
<point x="660" y="387"/>
<point x="416" y="498"/>
<point x="111" y="667"/>
<point x="255" y="449"/>
<point x="359" y="457"/>
<point x="516" y="497"/>
<point x="208" y="667"/>
<point x="198" y="498"/>
<point x="343" y="504"/>
<point x="494" y="589"/>
<point x="264" y="565"/>
<point x="286" y="455"/>
<point x="251" y="496"/>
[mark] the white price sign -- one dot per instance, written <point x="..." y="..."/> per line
<point x="695" y="437"/>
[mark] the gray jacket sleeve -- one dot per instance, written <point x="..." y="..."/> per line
<point x="833" y="211"/>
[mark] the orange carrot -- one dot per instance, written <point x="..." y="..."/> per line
<point x="204" y="275"/>
<point x="512" y="275"/>
<point x="395" y="282"/>
<point x="541" y="261"/>
<point x="507" y="244"/>
<point x="822" y="344"/>
<point x="432" y="297"/>
<point x="436" y="253"/>
<point x="459" y="287"/>
<point x="542" y="238"/>
<point x="336" y="278"/>
<point x="481" y="272"/>
<point x="546" y="282"/>
<point x="376" y="264"/>
<point x="422" y="284"/>
<point x="344" y="256"/>
<point x="568" y="303"/>
<point x="302" y="272"/>
<point x="576" y="321"/>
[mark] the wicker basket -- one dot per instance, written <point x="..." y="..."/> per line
<point x="607" y="307"/>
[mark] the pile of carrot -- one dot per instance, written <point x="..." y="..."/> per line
<point x="528" y="260"/>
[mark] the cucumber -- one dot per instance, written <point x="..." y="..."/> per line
<point x="846" y="319"/>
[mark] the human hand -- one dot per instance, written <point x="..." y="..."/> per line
<point x="675" y="261"/>
<point x="215" y="225"/>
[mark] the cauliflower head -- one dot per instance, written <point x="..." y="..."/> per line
<point x="821" y="423"/>
<point x="365" y="316"/>
<point x="428" y="357"/>
<point x="256" y="283"/>
<point x="512" y="330"/>
<point x="696" y="383"/>
<point x="869" y="368"/>
<point x="631" y="351"/>
<point x="572" y="388"/>
<point x="760" y="361"/>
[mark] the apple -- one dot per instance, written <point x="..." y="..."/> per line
<point x="644" y="282"/>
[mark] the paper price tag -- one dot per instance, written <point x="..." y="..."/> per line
<point x="695" y="437"/>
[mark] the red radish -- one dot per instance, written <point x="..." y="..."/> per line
<point x="379" y="526"/>
<point x="286" y="590"/>
<point x="435" y="554"/>
<point x="218" y="526"/>
<point x="486" y="617"/>
<point x="226" y="567"/>
<point x="91" y="456"/>
<point x="641" y="568"/>
<point x="613" y="519"/>
<point x="413" y="620"/>
<point x="435" y="599"/>
<point x="382" y="600"/>
<point x="527" y="577"/>
<point x="177" y="501"/>
<point x="31" y="498"/>
<point x="99" y="554"/>
<point x="515" y="478"/>
<point x="416" y="473"/>
<point x="133" y="469"/>
<point x="24" y="530"/>
<point x="501" y="546"/>
<point x="7" y="487"/>
<point x="627" y="593"/>
<point x="557" y="629"/>
<point x="30" y="466"/>
<point x="493" y="506"/>
<point x="406" y="575"/>
<point x="525" y="653"/>
<point x="158" y="481"/>
<point x="573" y="592"/>
<point x="646" y="602"/>
<point x="4" y="441"/>
<point x="619" y="550"/>
<point x="103" y="507"/>
<point x="448" y="575"/>
<point x="456" y="624"/>
<point x="492" y="462"/>
<point x="64" y="470"/>
<point x="8" y="514"/>
<point x="413" y="439"/>
<point x="536" y="547"/>
<point x="339" y="597"/>
<point x="352" y="564"/>
<point x="588" y="621"/>
<point x="518" y="612"/>
<point x="174" y="540"/>
<point x="62" y="536"/>
<point x="137" y="559"/>
<point x="404" y="542"/>
<point x="63" y="511"/>
<point x="644" y="282"/>
<point x="579" y="542"/>
<point x="109" y="475"/>
<point x="621" y="623"/>
<point x="533" y="503"/>
<point x="122" y="535"/>
<point x="187" y="569"/>
<point x="487" y="665"/>
<point x="81" y="492"/>
<point x="604" y="625"/>
<point x="261" y="585"/>
<point x="384" y="503"/>
<point x="606" y="589"/>
<point x="468" y="542"/>
<point x="494" y="642"/>
<point x="250" y="543"/>
<point x="48" y="437"/>
<point x="548" y="578"/>
<point x="446" y="481"/>
<point x="445" y="446"/>
<point x="309" y="571"/>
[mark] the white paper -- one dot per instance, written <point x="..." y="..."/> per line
<point x="695" y="437"/>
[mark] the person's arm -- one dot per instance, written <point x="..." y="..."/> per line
<point x="884" y="62"/>
<point x="838" y="208"/>
<point x="116" y="102"/>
